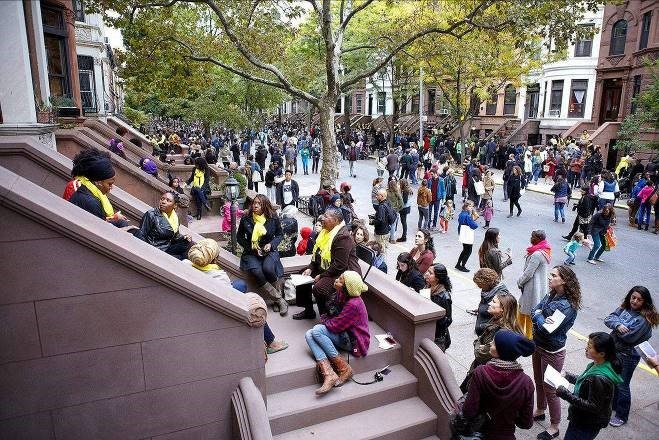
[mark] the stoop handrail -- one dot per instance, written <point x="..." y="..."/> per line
<point x="249" y="416"/>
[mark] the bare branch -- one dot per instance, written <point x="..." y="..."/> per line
<point x="249" y="56"/>
<point x="355" y="11"/>
<point x="315" y="6"/>
<point x="203" y="58"/>
<point x="341" y="10"/>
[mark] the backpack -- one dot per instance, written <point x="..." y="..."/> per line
<point x="316" y="206"/>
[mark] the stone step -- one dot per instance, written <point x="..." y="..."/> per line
<point x="295" y="409"/>
<point x="295" y="367"/>
<point x="406" y="419"/>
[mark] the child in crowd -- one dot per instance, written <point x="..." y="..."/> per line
<point x="303" y="245"/>
<point x="226" y="216"/>
<point x="488" y="213"/>
<point x="570" y="249"/>
<point x="446" y="215"/>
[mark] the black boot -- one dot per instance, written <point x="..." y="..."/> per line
<point x="305" y="314"/>
<point x="198" y="213"/>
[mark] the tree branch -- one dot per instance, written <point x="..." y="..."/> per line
<point x="203" y="58"/>
<point x="355" y="11"/>
<point x="363" y="46"/>
<point x="249" y="56"/>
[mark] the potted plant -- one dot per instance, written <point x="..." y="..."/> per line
<point x="44" y="112"/>
<point x="64" y="107"/>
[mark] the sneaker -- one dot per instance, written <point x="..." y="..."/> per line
<point x="591" y="261"/>
<point x="599" y="259"/>
<point x="565" y="237"/>
<point x="509" y="216"/>
<point x="616" y="422"/>
<point x="573" y="264"/>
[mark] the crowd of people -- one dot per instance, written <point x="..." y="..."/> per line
<point x="498" y="394"/>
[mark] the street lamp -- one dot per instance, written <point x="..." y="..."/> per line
<point x="231" y="190"/>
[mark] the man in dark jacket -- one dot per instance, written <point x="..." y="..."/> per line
<point x="392" y="163"/>
<point x="382" y="219"/>
<point x="288" y="191"/>
<point x="342" y="257"/>
<point x="507" y="172"/>
<point x="585" y="208"/>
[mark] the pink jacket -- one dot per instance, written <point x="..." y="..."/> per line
<point x="226" y="217"/>
<point x="488" y="213"/>
<point x="645" y="193"/>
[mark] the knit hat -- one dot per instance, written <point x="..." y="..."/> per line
<point x="511" y="345"/>
<point x="353" y="283"/>
<point x="204" y="252"/>
<point x="99" y="168"/>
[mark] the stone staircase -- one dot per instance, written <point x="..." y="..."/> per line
<point x="504" y="130"/>
<point x="391" y="409"/>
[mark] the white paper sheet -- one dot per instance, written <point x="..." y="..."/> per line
<point x="554" y="379"/>
<point x="299" y="280"/>
<point x="383" y="343"/>
<point x="558" y="317"/>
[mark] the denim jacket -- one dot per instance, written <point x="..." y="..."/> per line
<point x="639" y="330"/>
<point x="556" y="340"/>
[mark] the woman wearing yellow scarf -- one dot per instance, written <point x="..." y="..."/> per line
<point x="93" y="169"/>
<point x="199" y="182"/>
<point x="160" y="228"/>
<point x="333" y="254"/>
<point x="259" y="234"/>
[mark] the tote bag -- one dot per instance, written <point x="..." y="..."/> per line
<point x="466" y="235"/>
<point x="479" y="187"/>
<point x="256" y="176"/>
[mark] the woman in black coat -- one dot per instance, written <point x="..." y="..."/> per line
<point x="514" y="186"/>
<point x="408" y="274"/>
<point x="160" y="228"/>
<point x="259" y="234"/>
<point x="200" y="182"/>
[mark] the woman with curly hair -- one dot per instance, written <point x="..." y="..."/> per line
<point x="359" y="233"/>
<point x="489" y="254"/>
<point x="564" y="296"/>
<point x="631" y="324"/>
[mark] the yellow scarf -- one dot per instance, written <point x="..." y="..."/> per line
<point x="324" y="243"/>
<point x="207" y="267"/>
<point x="105" y="202"/>
<point x="259" y="229"/>
<point x="172" y="219"/>
<point x="199" y="178"/>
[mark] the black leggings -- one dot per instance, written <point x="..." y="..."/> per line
<point x="515" y="202"/>
<point x="403" y="221"/>
<point x="583" y="228"/>
<point x="314" y="164"/>
<point x="465" y="254"/>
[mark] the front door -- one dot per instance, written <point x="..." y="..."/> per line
<point x="611" y="93"/>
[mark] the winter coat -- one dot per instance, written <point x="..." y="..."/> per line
<point x="226" y="216"/>
<point x="496" y="260"/>
<point x="343" y="256"/>
<point x="423" y="197"/>
<point x="514" y="186"/>
<point x="533" y="282"/>
<point x="156" y="230"/>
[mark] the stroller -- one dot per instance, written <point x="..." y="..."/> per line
<point x="289" y="227"/>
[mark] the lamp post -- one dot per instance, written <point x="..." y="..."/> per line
<point x="231" y="192"/>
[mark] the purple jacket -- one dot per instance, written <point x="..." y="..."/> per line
<point x="354" y="320"/>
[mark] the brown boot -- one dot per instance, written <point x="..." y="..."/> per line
<point x="329" y="376"/>
<point x="656" y="226"/>
<point x="343" y="369"/>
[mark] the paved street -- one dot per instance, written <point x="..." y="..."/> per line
<point x="632" y="262"/>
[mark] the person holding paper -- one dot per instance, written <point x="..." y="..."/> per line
<point x="632" y="324"/>
<point x="590" y="403"/>
<point x="564" y="298"/>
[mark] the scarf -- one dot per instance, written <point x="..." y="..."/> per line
<point x="505" y="365"/>
<point x="172" y="219"/>
<point x="98" y="195"/>
<point x="207" y="267"/>
<point x="259" y="229"/>
<point x="199" y="178"/>
<point x="324" y="243"/>
<point x="604" y="369"/>
<point x="543" y="247"/>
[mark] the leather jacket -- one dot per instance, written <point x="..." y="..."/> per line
<point x="592" y="407"/>
<point x="156" y="230"/>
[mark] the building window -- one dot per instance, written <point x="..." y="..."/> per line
<point x="618" y="38"/>
<point x="294" y="107"/>
<point x="415" y="104"/>
<point x="87" y="85"/>
<point x="583" y="47"/>
<point x="79" y="10"/>
<point x="431" y="101"/>
<point x="556" y="98"/>
<point x="337" y="107"/>
<point x="370" y="104"/>
<point x="359" y="104"/>
<point x="491" y="105"/>
<point x="645" y="30"/>
<point x="635" y="91"/>
<point x="509" y="98"/>
<point x="578" y="98"/>
<point x="55" y="40"/>
<point x="348" y="104"/>
<point x="382" y="100"/>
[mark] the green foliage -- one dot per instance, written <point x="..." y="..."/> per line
<point x="637" y="128"/>
<point x="137" y="117"/>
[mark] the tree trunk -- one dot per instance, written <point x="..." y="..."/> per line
<point x="328" y="169"/>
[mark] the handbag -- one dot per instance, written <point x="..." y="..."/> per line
<point x="466" y="235"/>
<point x="256" y="176"/>
<point x="479" y="186"/>
<point x="545" y="168"/>
<point x="610" y="238"/>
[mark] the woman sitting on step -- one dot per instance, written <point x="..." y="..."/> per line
<point x="203" y="256"/>
<point x="160" y="228"/>
<point x="344" y="327"/>
<point x="199" y="182"/>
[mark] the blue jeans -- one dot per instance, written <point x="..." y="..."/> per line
<point x="644" y="213"/>
<point x="536" y="172"/>
<point x="305" y="165"/>
<point x="433" y="212"/>
<point x="598" y="247"/>
<point x="505" y="190"/>
<point x="575" y="432"/>
<point x="199" y="196"/>
<point x="393" y="228"/>
<point x="570" y="257"/>
<point x="241" y="286"/>
<point x="323" y="343"/>
<point x="424" y="218"/>
<point x="559" y="208"/>
<point x="622" y="396"/>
